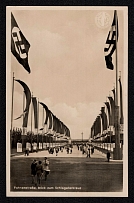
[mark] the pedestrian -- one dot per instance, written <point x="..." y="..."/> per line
<point x="83" y="149"/>
<point x="36" y="149"/>
<point x="33" y="170"/>
<point x="32" y="147"/>
<point x="88" y="151"/>
<point x="52" y="150"/>
<point x="108" y="156"/>
<point x="39" y="172"/>
<point x="78" y="147"/>
<point x="46" y="167"/>
<point x="56" y="150"/>
<point x="67" y="150"/>
<point x="27" y="151"/>
<point x="70" y="150"/>
<point x="61" y="149"/>
<point x="49" y="150"/>
<point x="92" y="150"/>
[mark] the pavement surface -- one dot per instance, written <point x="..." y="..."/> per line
<point x="75" y="153"/>
<point x="68" y="173"/>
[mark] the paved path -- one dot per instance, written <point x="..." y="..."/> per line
<point x="73" y="171"/>
<point x="87" y="174"/>
<point x="75" y="153"/>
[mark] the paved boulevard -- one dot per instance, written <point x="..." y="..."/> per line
<point x="69" y="173"/>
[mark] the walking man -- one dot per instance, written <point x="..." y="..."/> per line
<point x="88" y="151"/>
<point x="39" y="172"/>
<point x="33" y="170"/>
<point x="56" y="150"/>
<point x="108" y="156"/>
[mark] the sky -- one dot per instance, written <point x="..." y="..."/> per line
<point x="66" y="58"/>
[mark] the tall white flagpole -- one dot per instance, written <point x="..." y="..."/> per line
<point x="117" y="133"/>
<point x="23" y="128"/>
<point x="43" y="126"/>
<point x="31" y="122"/>
<point x="38" y="125"/>
<point x="116" y="60"/>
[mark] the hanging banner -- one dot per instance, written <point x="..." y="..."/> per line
<point x="28" y="101"/>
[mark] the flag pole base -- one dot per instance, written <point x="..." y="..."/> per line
<point x="117" y="154"/>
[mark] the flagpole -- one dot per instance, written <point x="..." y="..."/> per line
<point x="43" y="126"/>
<point x="120" y="100"/>
<point x="121" y="116"/>
<point x="38" y="117"/>
<point x="23" y="108"/>
<point x="117" y="133"/>
<point x="31" y="112"/>
<point x="107" y="123"/>
<point x="22" y="136"/>
<point x="116" y="60"/>
<point x="31" y="122"/>
<point x="12" y="103"/>
<point x="38" y="125"/>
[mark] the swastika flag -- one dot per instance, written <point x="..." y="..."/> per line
<point x="19" y="45"/>
<point x="111" y="43"/>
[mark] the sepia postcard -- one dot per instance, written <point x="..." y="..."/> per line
<point x="66" y="94"/>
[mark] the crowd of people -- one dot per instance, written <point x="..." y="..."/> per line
<point x="39" y="171"/>
<point x="86" y="149"/>
<point x="56" y="150"/>
<point x="52" y="150"/>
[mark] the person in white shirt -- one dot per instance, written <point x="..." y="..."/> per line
<point x="46" y="170"/>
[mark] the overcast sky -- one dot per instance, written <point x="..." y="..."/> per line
<point x="68" y="71"/>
